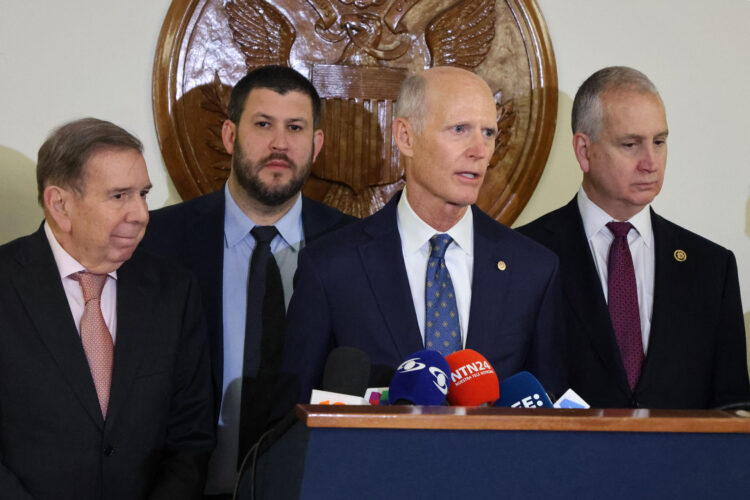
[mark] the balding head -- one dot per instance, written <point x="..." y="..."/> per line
<point x="439" y="82"/>
<point x="445" y="130"/>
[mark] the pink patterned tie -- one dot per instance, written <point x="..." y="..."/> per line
<point x="623" y="302"/>
<point x="95" y="336"/>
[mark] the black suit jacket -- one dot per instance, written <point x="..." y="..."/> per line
<point x="192" y="234"/>
<point x="353" y="290"/>
<point x="696" y="354"/>
<point x="54" y="443"/>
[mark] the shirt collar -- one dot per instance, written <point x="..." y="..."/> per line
<point x="237" y="224"/>
<point x="595" y="219"/>
<point x="415" y="232"/>
<point x="66" y="264"/>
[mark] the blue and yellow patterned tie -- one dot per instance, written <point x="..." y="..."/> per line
<point x="442" y="329"/>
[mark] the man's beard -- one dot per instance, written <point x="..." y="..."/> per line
<point x="255" y="188"/>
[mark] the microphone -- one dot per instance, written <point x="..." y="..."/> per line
<point x="347" y="371"/>
<point x="473" y="380"/>
<point x="420" y="380"/>
<point x="523" y="390"/>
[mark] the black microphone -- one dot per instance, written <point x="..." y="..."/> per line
<point x="347" y="371"/>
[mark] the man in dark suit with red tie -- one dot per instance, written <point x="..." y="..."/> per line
<point x="105" y="388"/>
<point x="653" y="311"/>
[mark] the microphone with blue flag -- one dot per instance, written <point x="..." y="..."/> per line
<point x="422" y="379"/>
<point x="523" y="390"/>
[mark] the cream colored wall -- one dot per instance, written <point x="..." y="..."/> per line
<point x="66" y="60"/>
<point x="62" y="60"/>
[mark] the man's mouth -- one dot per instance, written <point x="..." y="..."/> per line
<point x="469" y="175"/>
<point x="277" y="160"/>
<point x="277" y="164"/>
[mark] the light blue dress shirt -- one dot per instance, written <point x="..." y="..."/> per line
<point x="238" y="249"/>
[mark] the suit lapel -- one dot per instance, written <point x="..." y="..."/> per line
<point x="42" y="293"/>
<point x="207" y="262"/>
<point x="133" y="326"/>
<point x="489" y="285"/>
<point x="316" y="219"/>
<point x="583" y="290"/>
<point x="383" y="261"/>
<point x="669" y="282"/>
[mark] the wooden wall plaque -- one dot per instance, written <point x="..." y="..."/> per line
<point x="356" y="52"/>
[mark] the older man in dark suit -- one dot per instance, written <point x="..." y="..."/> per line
<point x="372" y="286"/>
<point x="105" y="386"/>
<point x="653" y="311"/>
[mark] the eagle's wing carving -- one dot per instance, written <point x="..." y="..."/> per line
<point x="506" y="118"/>
<point x="263" y="34"/>
<point x="462" y="34"/>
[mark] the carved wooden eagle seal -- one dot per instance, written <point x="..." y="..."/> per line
<point x="356" y="53"/>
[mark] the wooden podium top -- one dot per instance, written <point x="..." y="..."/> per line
<point x="505" y="419"/>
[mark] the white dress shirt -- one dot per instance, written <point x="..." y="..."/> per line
<point x="459" y="258"/>
<point x="641" y="243"/>
<point x="67" y="266"/>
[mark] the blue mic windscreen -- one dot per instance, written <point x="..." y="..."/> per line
<point x="523" y="390"/>
<point x="422" y="379"/>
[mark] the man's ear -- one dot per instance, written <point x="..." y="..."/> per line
<point x="57" y="204"/>
<point x="228" y="134"/>
<point x="581" y="148"/>
<point x="318" y="137"/>
<point x="403" y="134"/>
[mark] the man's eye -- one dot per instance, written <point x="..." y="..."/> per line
<point x="490" y="133"/>
<point x="459" y="128"/>
<point x="295" y="128"/>
<point x="119" y="196"/>
<point x="262" y="124"/>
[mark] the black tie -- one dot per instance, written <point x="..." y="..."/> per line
<point x="264" y="320"/>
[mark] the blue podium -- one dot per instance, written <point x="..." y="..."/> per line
<point x="414" y="452"/>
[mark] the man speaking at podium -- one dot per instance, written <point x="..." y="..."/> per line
<point x="429" y="270"/>
<point x="653" y="311"/>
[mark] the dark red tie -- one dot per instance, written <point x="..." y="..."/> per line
<point x="622" y="297"/>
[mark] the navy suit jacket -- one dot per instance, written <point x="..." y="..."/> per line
<point x="159" y="431"/>
<point x="352" y="290"/>
<point x="696" y="353"/>
<point x="192" y="234"/>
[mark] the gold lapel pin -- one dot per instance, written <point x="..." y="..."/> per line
<point x="501" y="265"/>
<point x="680" y="255"/>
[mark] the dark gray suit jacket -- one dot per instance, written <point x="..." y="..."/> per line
<point x="159" y="431"/>
<point x="696" y="353"/>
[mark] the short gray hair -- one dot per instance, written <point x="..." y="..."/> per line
<point x="412" y="101"/>
<point x="587" y="113"/>
<point x="67" y="149"/>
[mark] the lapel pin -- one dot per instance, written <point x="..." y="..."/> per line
<point x="501" y="265"/>
<point x="680" y="255"/>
